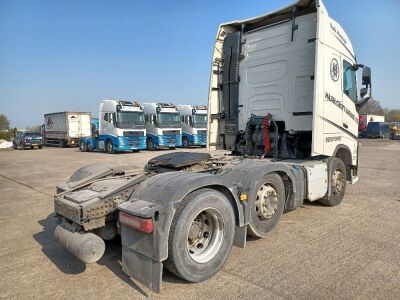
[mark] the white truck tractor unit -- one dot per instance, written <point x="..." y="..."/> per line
<point x="283" y="99"/>
<point x="66" y="128"/>
<point x="121" y="128"/>
<point x="194" y="125"/>
<point x="163" y="126"/>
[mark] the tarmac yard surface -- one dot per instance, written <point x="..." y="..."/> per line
<point x="351" y="251"/>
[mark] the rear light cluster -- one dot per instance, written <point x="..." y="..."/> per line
<point x="138" y="223"/>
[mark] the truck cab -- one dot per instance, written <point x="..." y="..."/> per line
<point x="121" y="128"/>
<point x="284" y="85"/>
<point x="163" y="126"/>
<point x="283" y="98"/>
<point x="194" y="125"/>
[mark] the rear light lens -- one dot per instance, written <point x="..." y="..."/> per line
<point x="138" y="223"/>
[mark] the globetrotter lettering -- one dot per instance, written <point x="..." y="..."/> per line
<point x="336" y="30"/>
<point x="341" y="106"/>
<point x="333" y="139"/>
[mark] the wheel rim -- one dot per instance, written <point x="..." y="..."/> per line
<point x="266" y="202"/>
<point x="337" y="182"/>
<point x="205" y="235"/>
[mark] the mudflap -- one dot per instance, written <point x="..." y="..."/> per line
<point x="141" y="252"/>
<point x="143" y="268"/>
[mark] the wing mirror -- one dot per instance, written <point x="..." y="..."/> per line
<point x="365" y="91"/>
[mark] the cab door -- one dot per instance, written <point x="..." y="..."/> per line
<point x="106" y="128"/>
<point x="350" y="114"/>
<point x="349" y="97"/>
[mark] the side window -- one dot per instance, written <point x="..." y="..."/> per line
<point x="146" y="118"/>
<point x="349" y="81"/>
<point x="106" y="117"/>
<point x="182" y="119"/>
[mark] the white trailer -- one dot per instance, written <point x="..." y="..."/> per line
<point x="283" y="98"/>
<point x="66" y="128"/>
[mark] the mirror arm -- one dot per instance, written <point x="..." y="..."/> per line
<point x="357" y="66"/>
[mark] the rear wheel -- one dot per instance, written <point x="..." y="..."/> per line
<point x="337" y="174"/>
<point x="83" y="146"/>
<point x="109" y="147"/>
<point x="201" y="235"/>
<point x="14" y="146"/>
<point x="185" y="142"/>
<point x="150" y="144"/>
<point x="267" y="205"/>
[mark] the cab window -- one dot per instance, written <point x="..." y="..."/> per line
<point x="106" y="117"/>
<point x="349" y="81"/>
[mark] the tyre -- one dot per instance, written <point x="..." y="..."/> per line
<point x="185" y="142"/>
<point x="40" y="146"/>
<point x="172" y="148"/>
<point x="22" y="146"/>
<point x="83" y="146"/>
<point x="267" y="205"/>
<point x="337" y="174"/>
<point x="150" y="144"/>
<point x="109" y="147"/>
<point x="14" y="146"/>
<point x="201" y="235"/>
<point x="61" y="144"/>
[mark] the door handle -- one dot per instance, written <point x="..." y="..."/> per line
<point x="345" y="125"/>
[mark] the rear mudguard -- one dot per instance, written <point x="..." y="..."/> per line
<point x="142" y="253"/>
<point x="156" y="198"/>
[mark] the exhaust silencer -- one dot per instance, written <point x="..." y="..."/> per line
<point x="87" y="247"/>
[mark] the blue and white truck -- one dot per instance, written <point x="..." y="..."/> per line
<point x="163" y="126"/>
<point x="121" y="128"/>
<point x="194" y="125"/>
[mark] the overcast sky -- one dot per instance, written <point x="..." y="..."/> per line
<point x="68" y="55"/>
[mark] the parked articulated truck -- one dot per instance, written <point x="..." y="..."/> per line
<point x="66" y="128"/>
<point x="283" y="99"/>
<point x="163" y="126"/>
<point x="194" y="125"/>
<point x="121" y="128"/>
